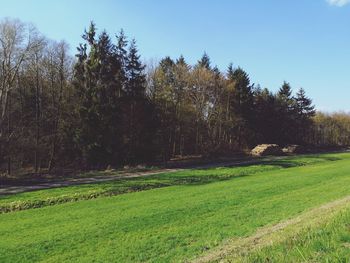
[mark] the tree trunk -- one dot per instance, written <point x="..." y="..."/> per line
<point x="37" y="117"/>
<point x="9" y="136"/>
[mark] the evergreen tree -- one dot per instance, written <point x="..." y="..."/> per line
<point x="304" y="105"/>
<point x="241" y="102"/>
<point x="136" y="79"/>
<point x="242" y="94"/>
<point x="285" y="92"/>
<point x="139" y="121"/>
<point x="122" y="54"/>
<point x="204" y="61"/>
<point x="265" y="125"/>
<point x="181" y="61"/>
<point x="285" y="114"/>
<point x="305" y="111"/>
<point x="96" y="79"/>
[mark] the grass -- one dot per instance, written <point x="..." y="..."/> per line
<point x="61" y="195"/>
<point x="328" y="242"/>
<point x="197" y="211"/>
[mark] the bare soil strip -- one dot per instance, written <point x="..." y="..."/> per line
<point x="8" y="189"/>
<point x="236" y="248"/>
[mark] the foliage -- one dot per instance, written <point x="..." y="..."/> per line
<point x="331" y="129"/>
<point x="107" y="108"/>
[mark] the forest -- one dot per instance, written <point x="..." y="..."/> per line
<point x="105" y="107"/>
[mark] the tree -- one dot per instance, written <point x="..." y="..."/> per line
<point x="122" y="54"/>
<point x="241" y="104"/>
<point x="163" y="96"/>
<point x="204" y="61"/>
<point x="106" y="111"/>
<point x="136" y="79"/>
<point x="265" y="117"/>
<point x="58" y="64"/>
<point x="138" y="117"/>
<point x="201" y="85"/>
<point x="305" y="111"/>
<point x="285" y="107"/>
<point x="17" y="41"/>
<point x="98" y="85"/>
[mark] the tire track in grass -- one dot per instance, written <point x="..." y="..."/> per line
<point x="236" y="248"/>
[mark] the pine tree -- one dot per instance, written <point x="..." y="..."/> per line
<point x="305" y="111"/>
<point x="204" y="61"/>
<point x="241" y="104"/>
<point x="181" y="61"/>
<point x="98" y="86"/>
<point x="136" y="79"/>
<point x="285" y="92"/>
<point x="242" y="94"/>
<point x="304" y="104"/>
<point x="122" y="54"/>
<point x="138" y="116"/>
<point x="265" y="125"/>
<point x="285" y="114"/>
<point x="121" y="47"/>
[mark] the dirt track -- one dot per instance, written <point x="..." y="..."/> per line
<point x="235" y="248"/>
<point x="11" y="189"/>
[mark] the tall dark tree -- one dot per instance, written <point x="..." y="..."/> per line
<point x="241" y="105"/>
<point x="265" y="125"/>
<point x="204" y="61"/>
<point x="136" y="79"/>
<point x="138" y="115"/>
<point x="122" y="54"/>
<point x="285" y="92"/>
<point x="285" y="107"/>
<point x="305" y="111"/>
<point x="96" y="79"/>
<point x="304" y="104"/>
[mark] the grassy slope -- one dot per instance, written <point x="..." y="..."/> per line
<point x="89" y="191"/>
<point x="329" y="242"/>
<point x="172" y="223"/>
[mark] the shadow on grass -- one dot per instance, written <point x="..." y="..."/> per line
<point x="185" y="177"/>
<point x="202" y="176"/>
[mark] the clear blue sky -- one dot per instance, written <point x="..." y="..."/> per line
<point x="305" y="42"/>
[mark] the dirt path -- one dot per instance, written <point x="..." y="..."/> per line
<point x="8" y="189"/>
<point x="234" y="249"/>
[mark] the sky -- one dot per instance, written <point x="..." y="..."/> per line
<point x="303" y="42"/>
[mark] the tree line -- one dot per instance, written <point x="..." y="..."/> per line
<point x="105" y="107"/>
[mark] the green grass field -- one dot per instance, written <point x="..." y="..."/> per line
<point x="328" y="242"/>
<point x="189" y="177"/>
<point x="167" y="217"/>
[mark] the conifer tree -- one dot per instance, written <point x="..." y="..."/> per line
<point x="242" y="94"/>
<point x="136" y="79"/>
<point x="138" y="116"/>
<point x="304" y="104"/>
<point x="96" y="79"/>
<point x="305" y="111"/>
<point x="204" y="61"/>
<point x="285" y="109"/>
<point x="122" y="54"/>
<point x="242" y="101"/>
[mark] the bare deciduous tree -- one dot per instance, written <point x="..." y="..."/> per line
<point x="17" y="41"/>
